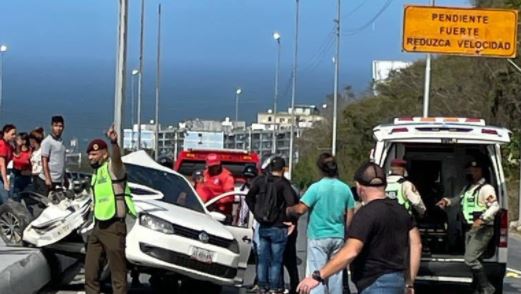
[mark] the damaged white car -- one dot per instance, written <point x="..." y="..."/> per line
<point x="174" y="233"/>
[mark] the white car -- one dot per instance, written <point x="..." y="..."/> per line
<point x="437" y="150"/>
<point x="174" y="232"/>
<point x="177" y="233"/>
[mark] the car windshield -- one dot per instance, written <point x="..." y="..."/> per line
<point x="174" y="188"/>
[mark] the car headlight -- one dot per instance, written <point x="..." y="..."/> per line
<point x="156" y="224"/>
<point x="234" y="246"/>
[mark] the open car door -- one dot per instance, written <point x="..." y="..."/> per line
<point x="241" y="229"/>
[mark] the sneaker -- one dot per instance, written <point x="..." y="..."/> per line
<point x="489" y="289"/>
<point x="253" y="288"/>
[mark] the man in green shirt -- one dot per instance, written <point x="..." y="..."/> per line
<point x="330" y="204"/>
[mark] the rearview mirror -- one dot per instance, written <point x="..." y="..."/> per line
<point x="218" y="216"/>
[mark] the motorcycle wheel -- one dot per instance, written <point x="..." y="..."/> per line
<point x="14" y="218"/>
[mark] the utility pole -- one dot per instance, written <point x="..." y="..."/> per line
<point x="293" y="92"/>
<point x="158" y="78"/>
<point x="519" y="197"/>
<point x="140" y="77"/>
<point x="121" y="69"/>
<point x="335" y="86"/>
<point x="427" y="86"/>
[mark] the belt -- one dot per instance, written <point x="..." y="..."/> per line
<point x="112" y="220"/>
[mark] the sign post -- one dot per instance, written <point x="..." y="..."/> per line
<point x="460" y="31"/>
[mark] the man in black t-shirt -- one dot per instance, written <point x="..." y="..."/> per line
<point x="383" y="246"/>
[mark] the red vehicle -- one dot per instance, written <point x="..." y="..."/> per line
<point x="190" y="160"/>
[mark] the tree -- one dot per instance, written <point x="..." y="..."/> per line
<point x="487" y="88"/>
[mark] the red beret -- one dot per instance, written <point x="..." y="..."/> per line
<point x="96" y="144"/>
<point x="399" y="162"/>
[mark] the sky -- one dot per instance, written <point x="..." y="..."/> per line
<point x="62" y="56"/>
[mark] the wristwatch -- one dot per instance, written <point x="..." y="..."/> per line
<point x="316" y="276"/>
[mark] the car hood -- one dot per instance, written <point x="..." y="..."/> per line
<point x="183" y="217"/>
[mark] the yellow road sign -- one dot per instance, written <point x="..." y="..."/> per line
<point x="464" y="31"/>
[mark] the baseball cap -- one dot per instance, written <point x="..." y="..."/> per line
<point x="474" y="163"/>
<point x="96" y="144"/>
<point x="370" y="175"/>
<point x="213" y="159"/>
<point x="250" y="171"/>
<point x="197" y="174"/>
<point x="277" y="163"/>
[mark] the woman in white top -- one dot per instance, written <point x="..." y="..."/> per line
<point x="36" y="138"/>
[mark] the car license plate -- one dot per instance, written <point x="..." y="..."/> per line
<point x="202" y="255"/>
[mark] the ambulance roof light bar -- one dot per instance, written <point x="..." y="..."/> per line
<point x="454" y="120"/>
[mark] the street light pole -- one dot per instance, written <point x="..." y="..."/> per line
<point x="3" y="49"/>
<point x="158" y="78"/>
<point x="276" y="36"/>
<point x="135" y="72"/>
<point x="121" y="69"/>
<point x="335" y="86"/>
<point x="293" y="92"/>
<point x="427" y="86"/>
<point x="238" y="92"/>
<point x="140" y="77"/>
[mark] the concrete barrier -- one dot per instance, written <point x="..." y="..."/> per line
<point x="27" y="270"/>
<point x="23" y="270"/>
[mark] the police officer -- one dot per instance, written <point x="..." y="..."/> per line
<point x="401" y="189"/>
<point x="112" y="202"/>
<point x="479" y="206"/>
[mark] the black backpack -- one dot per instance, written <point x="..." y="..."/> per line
<point x="267" y="206"/>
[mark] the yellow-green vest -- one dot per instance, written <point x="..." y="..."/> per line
<point x="394" y="190"/>
<point x="104" y="197"/>
<point x="470" y="204"/>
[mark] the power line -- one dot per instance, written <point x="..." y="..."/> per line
<point x="319" y="54"/>
<point x="370" y="22"/>
<point x="360" y="5"/>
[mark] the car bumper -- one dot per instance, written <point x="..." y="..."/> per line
<point x="172" y="253"/>
<point x="456" y="272"/>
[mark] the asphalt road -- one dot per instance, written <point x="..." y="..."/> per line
<point x="512" y="280"/>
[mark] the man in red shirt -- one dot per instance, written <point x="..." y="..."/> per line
<point x="6" y="155"/>
<point x="218" y="180"/>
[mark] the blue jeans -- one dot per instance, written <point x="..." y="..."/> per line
<point x="271" y="252"/>
<point x="4" y="194"/>
<point x="320" y="251"/>
<point x="20" y="184"/>
<point x="393" y="283"/>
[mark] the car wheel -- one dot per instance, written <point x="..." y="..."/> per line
<point x="14" y="218"/>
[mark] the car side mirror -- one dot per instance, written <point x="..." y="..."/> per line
<point x="218" y="216"/>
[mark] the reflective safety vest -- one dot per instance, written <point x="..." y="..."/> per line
<point x="471" y="207"/>
<point x="394" y="190"/>
<point x="104" y="196"/>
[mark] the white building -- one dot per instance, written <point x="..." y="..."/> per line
<point x="382" y="69"/>
<point x="305" y="116"/>
<point x="130" y="137"/>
